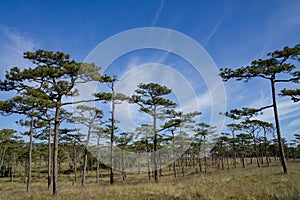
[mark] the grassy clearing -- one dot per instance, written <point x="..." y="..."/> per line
<point x="249" y="183"/>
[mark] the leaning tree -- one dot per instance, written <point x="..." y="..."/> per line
<point x="278" y="63"/>
<point x="89" y="118"/>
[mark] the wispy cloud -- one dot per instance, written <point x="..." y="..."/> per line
<point x="183" y="93"/>
<point x="295" y="122"/>
<point x="286" y="110"/>
<point x="135" y="60"/>
<point x="13" y="46"/>
<point x="214" y="30"/>
<point x="157" y="14"/>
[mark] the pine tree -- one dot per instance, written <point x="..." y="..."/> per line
<point x="279" y="62"/>
<point x="51" y="80"/>
<point x="115" y="98"/>
<point x="150" y="99"/>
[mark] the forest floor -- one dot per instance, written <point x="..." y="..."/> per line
<point x="240" y="183"/>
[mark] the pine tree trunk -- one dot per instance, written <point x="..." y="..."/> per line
<point x="139" y="163"/>
<point x="98" y="160"/>
<point x="155" y="146"/>
<point x="200" y="165"/>
<point x="85" y="158"/>
<point x="49" y="157"/>
<point x="84" y="166"/>
<point x="55" y="148"/>
<point x="124" y="164"/>
<point x="160" y="165"/>
<point x="227" y="160"/>
<point x="149" y="171"/>
<point x="2" y="158"/>
<point x="30" y="153"/>
<point x="75" y="164"/>
<point x="173" y="154"/>
<point x="112" y="140"/>
<point x="148" y="157"/>
<point x="40" y="165"/>
<point x="281" y="149"/>
<point x="243" y="160"/>
<point x="11" y="166"/>
<point x="204" y="153"/>
<point x="10" y="169"/>
<point x="261" y="154"/>
<point x="234" y="155"/>
<point x="256" y="153"/>
<point x="182" y="166"/>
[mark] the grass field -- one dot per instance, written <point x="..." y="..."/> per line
<point x="248" y="183"/>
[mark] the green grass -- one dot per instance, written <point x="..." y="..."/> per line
<point x="249" y="183"/>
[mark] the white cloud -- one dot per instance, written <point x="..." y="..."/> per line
<point x="12" y="47"/>
<point x="214" y="30"/>
<point x="157" y="14"/>
<point x="295" y="122"/>
<point x="161" y="74"/>
<point x="286" y="110"/>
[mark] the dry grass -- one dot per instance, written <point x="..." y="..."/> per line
<point x="249" y="183"/>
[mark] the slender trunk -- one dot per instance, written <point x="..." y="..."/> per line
<point x="222" y="161"/>
<point x="149" y="172"/>
<point x="10" y="170"/>
<point x="40" y="165"/>
<point x="222" y="156"/>
<point x="75" y="164"/>
<point x="98" y="159"/>
<point x="266" y="150"/>
<point x="174" y="168"/>
<point x="160" y="164"/>
<point x="55" y="148"/>
<point x="139" y="163"/>
<point x="204" y="154"/>
<point x="2" y="158"/>
<point x="155" y="145"/>
<point x="186" y="160"/>
<point x="49" y="156"/>
<point x="261" y="153"/>
<point x="193" y="160"/>
<point x="85" y="158"/>
<point x="200" y="165"/>
<point x="243" y="153"/>
<point x="25" y="170"/>
<point x="234" y="151"/>
<point x="112" y="138"/>
<point x="182" y="165"/>
<point x="84" y="167"/>
<point x="148" y="157"/>
<point x="281" y="149"/>
<point x="123" y="164"/>
<point x="1" y="154"/>
<point x="174" y="162"/>
<point x="243" y="160"/>
<point x="12" y="167"/>
<point x="256" y="153"/>
<point x="227" y="160"/>
<point x="30" y="153"/>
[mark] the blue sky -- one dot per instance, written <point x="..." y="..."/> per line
<point x="232" y="32"/>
